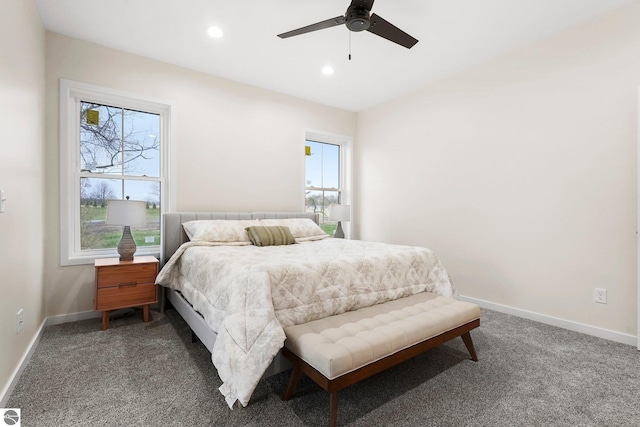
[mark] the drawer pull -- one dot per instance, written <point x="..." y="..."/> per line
<point x="124" y="285"/>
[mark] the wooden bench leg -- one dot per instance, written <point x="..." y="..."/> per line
<point x="466" y="337"/>
<point x="333" y="409"/>
<point x="296" y="374"/>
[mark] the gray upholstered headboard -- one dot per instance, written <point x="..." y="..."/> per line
<point x="173" y="234"/>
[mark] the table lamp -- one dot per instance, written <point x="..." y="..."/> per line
<point x="129" y="213"/>
<point x="340" y="213"/>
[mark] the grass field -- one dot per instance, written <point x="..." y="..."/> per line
<point x="329" y="228"/>
<point x="97" y="235"/>
<point x="96" y="213"/>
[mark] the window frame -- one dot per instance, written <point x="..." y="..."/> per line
<point x="345" y="189"/>
<point x="72" y="93"/>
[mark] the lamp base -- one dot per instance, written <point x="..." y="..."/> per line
<point x="127" y="246"/>
<point x="339" y="234"/>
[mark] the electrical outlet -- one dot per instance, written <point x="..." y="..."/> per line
<point x="19" y="321"/>
<point x="600" y="295"/>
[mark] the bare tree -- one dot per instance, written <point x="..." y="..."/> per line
<point x="319" y="201"/>
<point x="102" y="193"/>
<point x="154" y="196"/>
<point x="85" y="185"/>
<point x="313" y="201"/>
<point x="104" y="144"/>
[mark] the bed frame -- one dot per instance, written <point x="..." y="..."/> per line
<point x="173" y="236"/>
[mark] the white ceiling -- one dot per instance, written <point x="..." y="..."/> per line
<point x="453" y="34"/>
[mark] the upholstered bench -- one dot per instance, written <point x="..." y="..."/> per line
<point x="341" y="350"/>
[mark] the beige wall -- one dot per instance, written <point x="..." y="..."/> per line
<point x="22" y="177"/>
<point x="520" y="174"/>
<point x="237" y="147"/>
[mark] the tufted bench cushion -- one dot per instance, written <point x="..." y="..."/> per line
<point x="340" y="350"/>
<point x="345" y="342"/>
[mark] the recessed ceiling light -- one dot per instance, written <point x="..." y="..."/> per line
<point x="215" y="32"/>
<point x="327" y="70"/>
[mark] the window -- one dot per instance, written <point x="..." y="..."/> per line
<point x="327" y="176"/>
<point x="113" y="146"/>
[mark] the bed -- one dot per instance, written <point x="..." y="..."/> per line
<point x="238" y="297"/>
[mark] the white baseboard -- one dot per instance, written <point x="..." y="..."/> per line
<point x="53" y="320"/>
<point x="555" y="321"/>
<point x="73" y="317"/>
<point x="13" y="380"/>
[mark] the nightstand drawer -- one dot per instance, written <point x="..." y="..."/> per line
<point x="126" y="274"/>
<point x="126" y="296"/>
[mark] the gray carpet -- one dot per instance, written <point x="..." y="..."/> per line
<point x="529" y="374"/>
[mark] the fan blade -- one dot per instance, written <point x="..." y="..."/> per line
<point x="314" y="27"/>
<point x="364" y="4"/>
<point x="384" y="29"/>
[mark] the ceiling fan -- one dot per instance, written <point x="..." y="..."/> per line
<point x="358" y="17"/>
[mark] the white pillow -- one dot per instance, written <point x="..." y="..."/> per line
<point x="226" y="231"/>
<point x="303" y="229"/>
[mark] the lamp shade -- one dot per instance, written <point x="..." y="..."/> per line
<point x="126" y="212"/>
<point x="340" y="213"/>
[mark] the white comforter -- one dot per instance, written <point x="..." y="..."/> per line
<point x="248" y="294"/>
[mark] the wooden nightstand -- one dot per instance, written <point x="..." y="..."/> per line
<point x="123" y="284"/>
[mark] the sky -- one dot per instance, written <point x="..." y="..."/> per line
<point x="322" y="167"/>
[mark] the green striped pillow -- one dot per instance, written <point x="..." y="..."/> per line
<point x="270" y="236"/>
